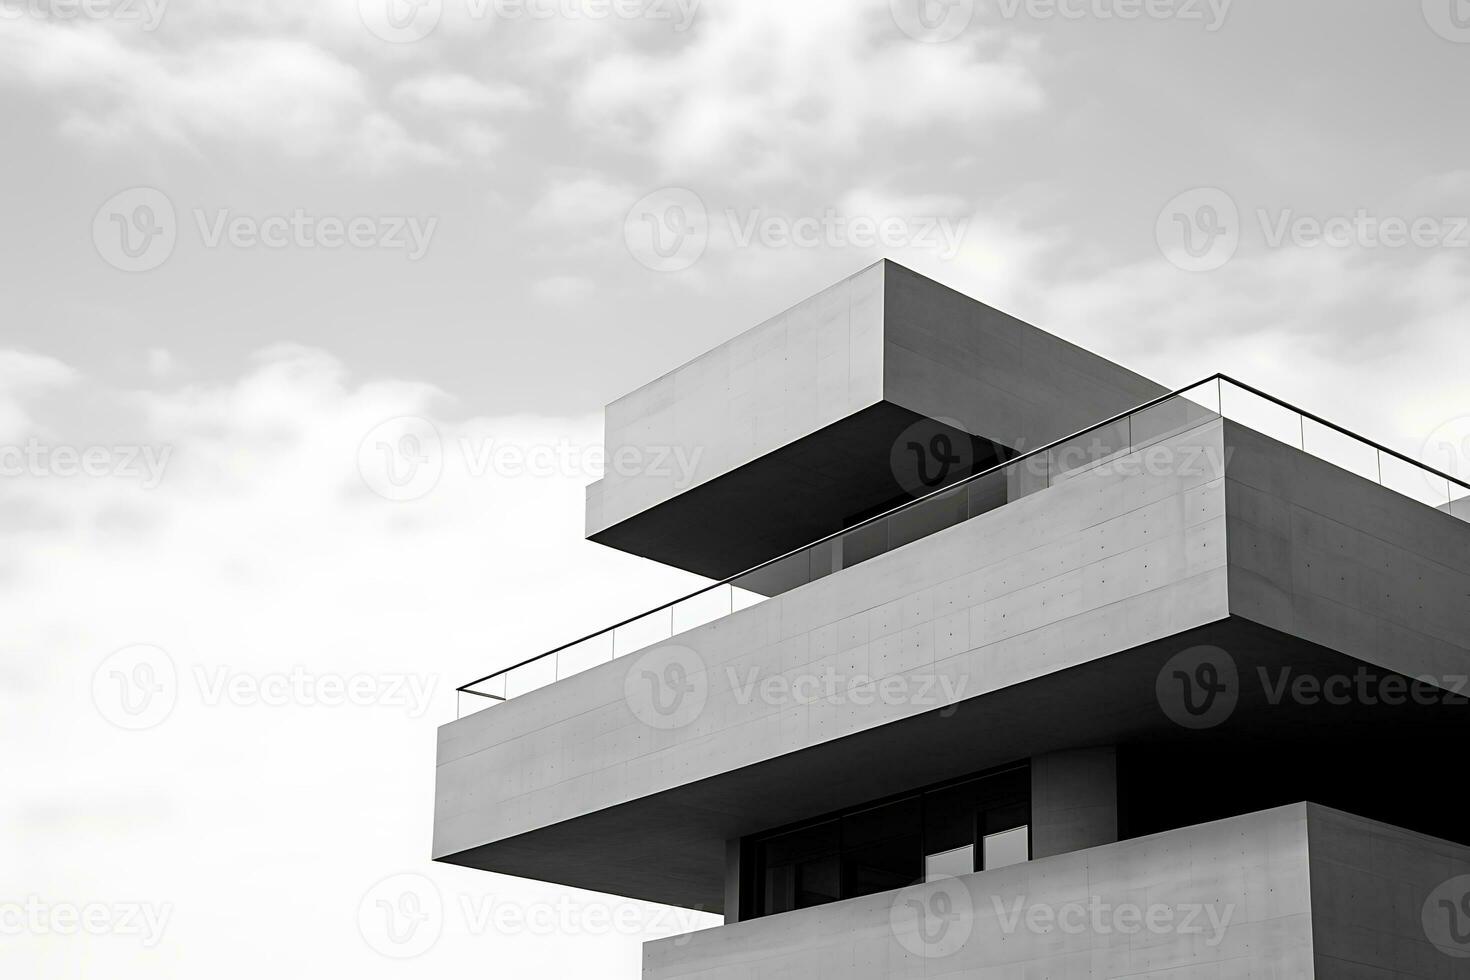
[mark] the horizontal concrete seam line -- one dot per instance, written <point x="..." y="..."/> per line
<point x="1292" y="504"/>
<point x="1342" y="605"/>
<point x="1396" y="546"/>
<point x="1033" y="584"/>
<point x="1022" y="680"/>
<point x="996" y="560"/>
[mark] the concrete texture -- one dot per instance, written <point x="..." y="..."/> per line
<point x="1057" y="611"/>
<point x="1105" y="562"/>
<point x="1328" y="556"/>
<point x="1370" y="885"/>
<point x="791" y="425"/>
<point x="1255" y="873"/>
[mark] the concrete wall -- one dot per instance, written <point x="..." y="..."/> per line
<point x="1321" y="553"/>
<point x="1370" y="885"/>
<point x="810" y="405"/>
<point x="1253" y="869"/>
<point x="816" y="363"/>
<point x="1099" y="564"/>
<point x="945" y="355"/>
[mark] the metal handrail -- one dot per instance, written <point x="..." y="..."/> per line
<point x="950" y="488"/>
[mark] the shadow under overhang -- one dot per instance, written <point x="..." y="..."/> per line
<point x="820" y="484"/>
<point x="670" y="847"/>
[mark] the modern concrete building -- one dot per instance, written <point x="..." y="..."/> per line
<point x="1018" y="665"/>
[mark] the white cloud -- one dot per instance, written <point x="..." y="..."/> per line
<point x="451" y="92"/>
<point x="563" y="290"/>
<point x="290" y="96"/>
<point x="581" y="200"/>
<point x="763" y="88"/>
<point x="262" y="552"/>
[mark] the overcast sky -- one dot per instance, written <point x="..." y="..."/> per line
<point x="239" y="235"/>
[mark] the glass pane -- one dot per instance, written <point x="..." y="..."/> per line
<point x="801" y="868"/>
<point x="1089" y="448"/>
<point x="528" y="677"/>
<point x="655" y="627"/>
<point x="882" y="848"/>
<point x="1007" y="847"/>
<point x="950" y="864"/>
<point x="1266" y="417"/>
<point x="1460" y="505"/>
<point x="709" y="605"/>
<point x="1415" y="481"/>
<point x="588" y="653"/>
<point x="744" y="599"/>
<point x="468" y="703"/>
<point x="860" y="544"/>
<point x="492" y="688"/>
<point x="987" y="493"/>
<point x="923" y="519"/>
<point x="779" y="576"/>
<point x="826" y="558"/>
<point x="1351" y="454"/>
<point x="1025" y="477"/>
<point x="1168" y="418"/>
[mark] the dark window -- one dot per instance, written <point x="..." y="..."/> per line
<point x="801" y="868"/>
<point x="951" y="829"/>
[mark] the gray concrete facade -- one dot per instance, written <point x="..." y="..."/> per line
<point x="786" y="432"/>
<point x="1076" y="594"/>
<point x="1299" y="891"/>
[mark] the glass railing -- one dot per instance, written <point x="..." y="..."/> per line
<point x="1139" y="428"/>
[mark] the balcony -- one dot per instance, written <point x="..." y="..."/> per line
<point x="1028" y="627"/>
<point x="1297" y="891"/>
<point x="1106" y="442"/>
